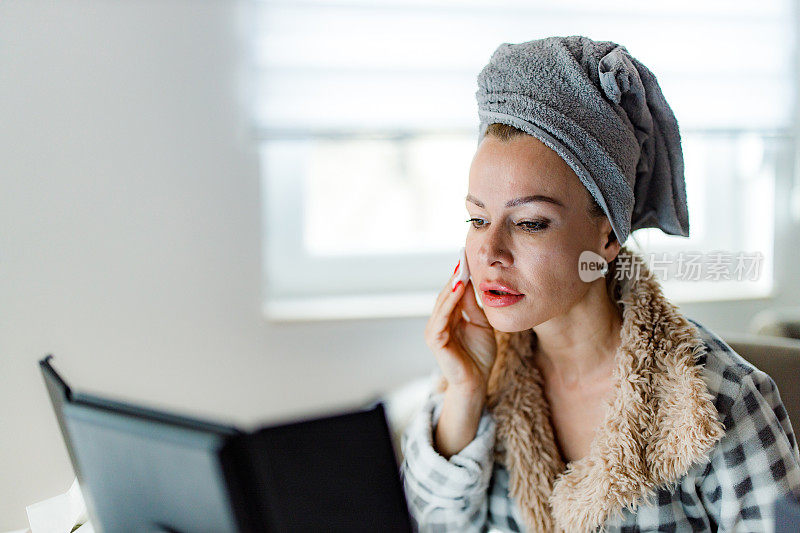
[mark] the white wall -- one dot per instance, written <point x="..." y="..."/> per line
<point x="130" y="239"/>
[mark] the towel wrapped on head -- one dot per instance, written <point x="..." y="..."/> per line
<point x="603" y="112"/>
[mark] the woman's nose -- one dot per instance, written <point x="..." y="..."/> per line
<point x="494" y="246"/>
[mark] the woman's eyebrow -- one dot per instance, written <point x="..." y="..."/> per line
<point x="519" y="201"/>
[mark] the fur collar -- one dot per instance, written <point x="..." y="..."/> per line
<point x="660" y="419"/>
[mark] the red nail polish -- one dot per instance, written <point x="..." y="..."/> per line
<point x="457" y="284"/>
<point x="458" y="265"/>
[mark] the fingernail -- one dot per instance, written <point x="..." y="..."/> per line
<point x="458" y="265"/>
<point x="457" y="284"/>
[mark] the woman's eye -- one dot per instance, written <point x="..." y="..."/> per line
<point x="533" y="226"/>
<point x="528" y="226"/>
<point x="474" y="220"/>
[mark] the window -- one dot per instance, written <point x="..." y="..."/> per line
<point x="367" y="122"/>
<point x="730" y="181"/>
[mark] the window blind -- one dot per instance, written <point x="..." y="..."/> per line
<point x="328" y="66"/>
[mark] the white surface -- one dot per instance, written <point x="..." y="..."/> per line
<point x="63" y="513"/>
<point x="60" y="513"/>
<point x="409" y="304"/>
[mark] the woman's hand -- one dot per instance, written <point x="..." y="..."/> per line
<point x="464" y="349"/>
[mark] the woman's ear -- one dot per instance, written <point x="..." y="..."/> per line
<point x="611" y="245"/>
<point x="612" y="251"/>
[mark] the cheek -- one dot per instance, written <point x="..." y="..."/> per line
<point x="554" y="274"/>
<point x="545" y="269"/>
<point x="471" y="249"/>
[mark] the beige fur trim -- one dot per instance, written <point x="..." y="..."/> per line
<point x="660" y="420"/>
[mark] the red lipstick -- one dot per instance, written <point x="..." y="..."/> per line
<point x="499" y="293"/>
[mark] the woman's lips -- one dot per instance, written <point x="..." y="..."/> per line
<point x="498" y="300"/>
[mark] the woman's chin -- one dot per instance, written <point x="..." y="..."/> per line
<point x="505" y="320"/>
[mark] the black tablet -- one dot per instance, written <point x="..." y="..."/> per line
<point x="142" y="469"/>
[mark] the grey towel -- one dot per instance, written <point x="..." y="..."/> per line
<point x="604" y="113"/>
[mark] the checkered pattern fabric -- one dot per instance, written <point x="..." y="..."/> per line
<point x="755" y="462"/>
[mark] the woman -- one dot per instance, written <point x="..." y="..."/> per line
<point x="582" y="402"/>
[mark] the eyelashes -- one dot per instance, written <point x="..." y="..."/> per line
<point x="527" y="225"/>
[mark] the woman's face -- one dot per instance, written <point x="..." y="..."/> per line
<point x="532" y="245"/>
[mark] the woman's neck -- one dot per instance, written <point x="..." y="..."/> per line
<point x="578" y="348"/>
